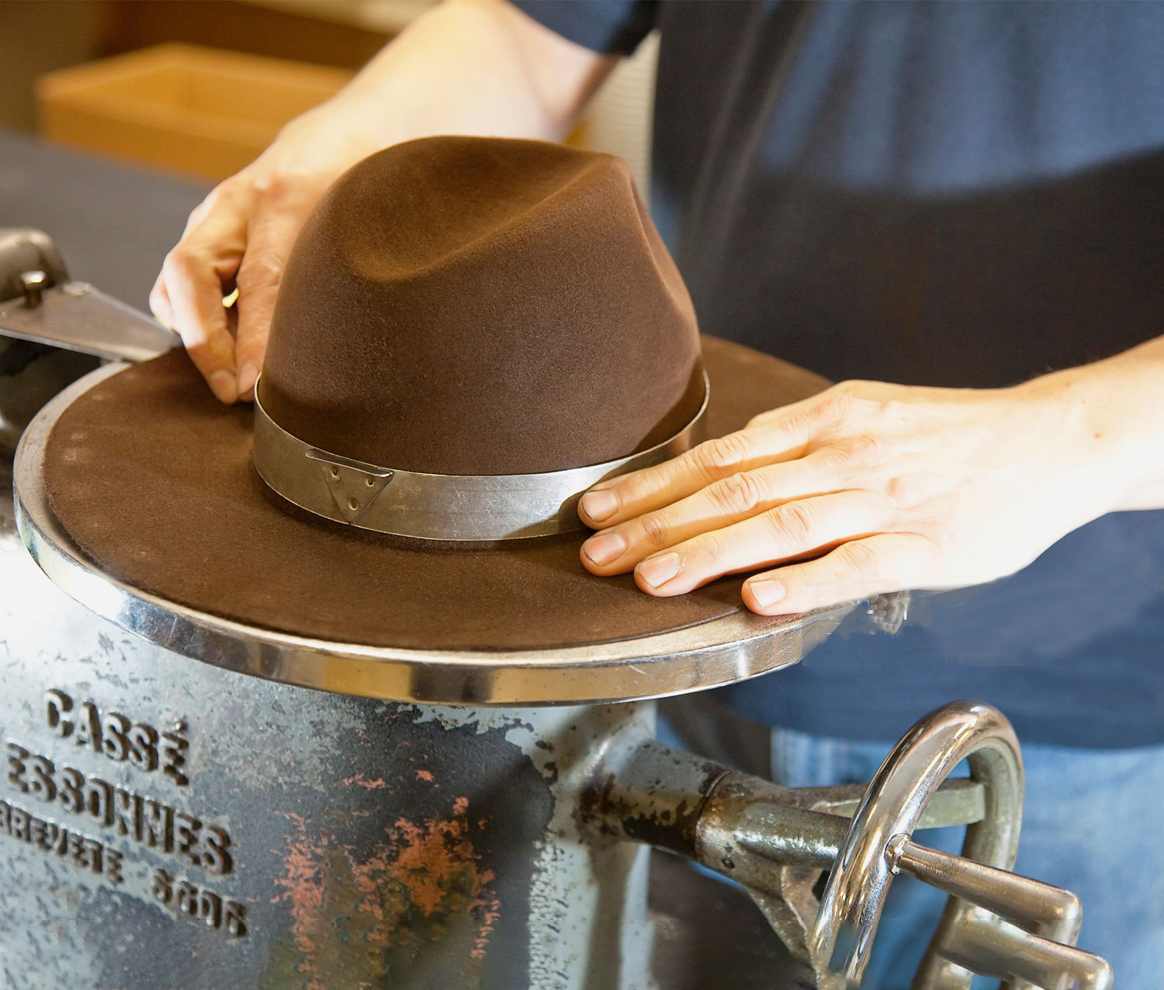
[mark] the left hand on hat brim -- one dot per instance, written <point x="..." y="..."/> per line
<point x="867" y="488"/>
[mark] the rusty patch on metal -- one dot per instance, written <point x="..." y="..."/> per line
<point x="359" y="780"/>
<point x="659" y="805"/>
<point x="366" y="917"/>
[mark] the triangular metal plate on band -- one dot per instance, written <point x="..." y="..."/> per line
<point x="352" y="484"/>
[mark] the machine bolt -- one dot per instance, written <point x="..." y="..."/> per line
<point x="34" y="283"/>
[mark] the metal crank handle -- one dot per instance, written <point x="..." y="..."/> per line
<point x="776" y="842"/>
<point x="1040" y="908"/>
<point x="1032" y="939"/>
<point x="992" y="947"/>
<point x="968" y="940"/>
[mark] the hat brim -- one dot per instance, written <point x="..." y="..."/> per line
<point x="152" y="479"/>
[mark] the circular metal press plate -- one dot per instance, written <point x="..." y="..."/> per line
<point x="715" y="653"/>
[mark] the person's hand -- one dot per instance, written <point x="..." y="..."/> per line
<point x="864" y="489"/>
<point x="240" y="236"/>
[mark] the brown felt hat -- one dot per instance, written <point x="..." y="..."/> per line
<point x="478" y="306"/>
<point x="467" y="328"/>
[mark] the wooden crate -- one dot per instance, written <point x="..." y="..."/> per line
<point x="199" y="111"/>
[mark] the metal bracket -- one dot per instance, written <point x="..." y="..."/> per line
<point x="353" y="485"/>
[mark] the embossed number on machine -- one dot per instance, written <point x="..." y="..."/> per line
<point x="199" y="904"/>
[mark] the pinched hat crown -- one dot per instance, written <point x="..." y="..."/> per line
<point x="482" y="306"/>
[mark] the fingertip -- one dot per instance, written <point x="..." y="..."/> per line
<point x="247" y="376"/>
<point x="223" y="385"/>
<point x="656" y="575"/>
<point x="782" y="604"/>
<point x="764" y="593"/>
<point x="602" y="551"/>
<point x="250" y="348"/>
<point x="597" y="506"/>
<point x="160" y="306"/>
<point x="645" y="586"/>
<point x="587" y="563"/>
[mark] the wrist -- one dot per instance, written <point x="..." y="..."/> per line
<point x="1106" y="418"/>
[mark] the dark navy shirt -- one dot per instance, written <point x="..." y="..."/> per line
<point x="960" y="194"/>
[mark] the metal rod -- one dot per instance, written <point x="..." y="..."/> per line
<point x="996" y="948"/>
<point x="702" y="810"/>
<point x="1040" y="908"/>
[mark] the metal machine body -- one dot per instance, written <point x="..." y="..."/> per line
<point x="181" y="810"/>
<point x="166" y="824"/>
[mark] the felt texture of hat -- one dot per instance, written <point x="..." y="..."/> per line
<point x="497" y="306"/>
<point x="152" y="477"/>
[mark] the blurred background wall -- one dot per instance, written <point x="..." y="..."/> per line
<point x="203" y="114"/>
<point x="36" y="37"/>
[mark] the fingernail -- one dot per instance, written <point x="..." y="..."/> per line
<point x="223" y="385"/>
<point x="659" y="570"/>
<point x="604" y="548"/>
<point x="599" y="505"/>
<point x="247" y="377"/>
<point x="766" y="592"/>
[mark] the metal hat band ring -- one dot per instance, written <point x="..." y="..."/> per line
<point x="449" y="507"/>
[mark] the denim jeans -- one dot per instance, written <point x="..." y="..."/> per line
<point x="1093" y="823"/>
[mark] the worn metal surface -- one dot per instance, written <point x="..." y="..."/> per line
<point x="444" y="507"/>
<point x="76" y="316"/>
<point x="163" y="818"/>
<point x="370" y="844"/>
<point x="709" y="935"/>
<point x="774" y="841"/>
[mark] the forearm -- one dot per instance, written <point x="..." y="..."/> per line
<point x="475" y="67"/>
<point x="1115" y="410"/>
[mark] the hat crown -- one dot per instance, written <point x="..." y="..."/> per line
<point x="482" y="306"/>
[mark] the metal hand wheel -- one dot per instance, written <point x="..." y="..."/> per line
<point x="996" y="923"/>
<point x="776" y="842"/>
